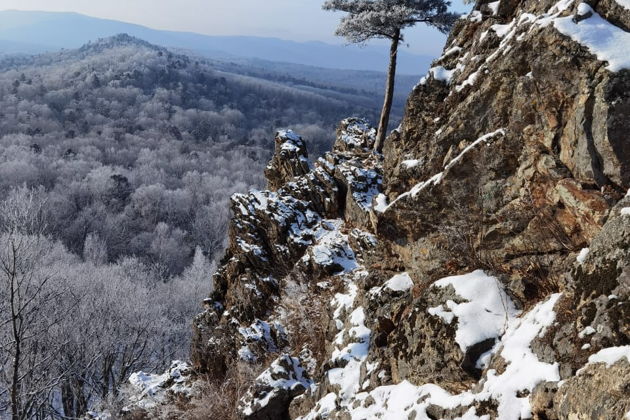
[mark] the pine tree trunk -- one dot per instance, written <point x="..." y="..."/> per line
<point x="389" y="95"/>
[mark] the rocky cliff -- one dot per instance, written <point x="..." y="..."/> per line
<point x="479" y="268"/>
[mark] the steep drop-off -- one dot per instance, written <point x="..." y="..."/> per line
<point x="479" y="269"/>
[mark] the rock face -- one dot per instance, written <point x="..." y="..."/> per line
<point x="479" y="268"/>
<point x="289" y="160"/>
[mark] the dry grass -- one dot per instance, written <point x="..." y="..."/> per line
<point x="307" y="320"/>
<point x="215" y="400"/>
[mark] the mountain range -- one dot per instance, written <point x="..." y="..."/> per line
<point x="36" y="32"/>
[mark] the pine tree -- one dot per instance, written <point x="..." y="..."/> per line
<point x="386" y="19"/>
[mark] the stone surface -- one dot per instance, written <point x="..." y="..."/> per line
<point x="289" y="160"/>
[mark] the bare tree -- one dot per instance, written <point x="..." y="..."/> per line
<point x="28" y="312"/>
<point x="368" y="19"/>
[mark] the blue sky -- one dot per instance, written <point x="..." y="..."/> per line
<point x="299" y="20"/>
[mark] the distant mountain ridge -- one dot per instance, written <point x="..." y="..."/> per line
<point x="49" y="31"/>
<point x="360" y="87"/>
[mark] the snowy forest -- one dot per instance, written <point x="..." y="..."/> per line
<point x="117" y="162"/>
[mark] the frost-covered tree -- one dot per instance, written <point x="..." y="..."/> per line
<point x="95" y="249"/>
<point x="29" y="292"/>
<point x="200" y="271"/>
<point x="386" y="19"/>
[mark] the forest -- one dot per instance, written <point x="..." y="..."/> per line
<point x="117" y="161"/>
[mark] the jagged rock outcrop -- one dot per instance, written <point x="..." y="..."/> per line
<point x="479" y="268"/>
<point x="271" y="393"/>
<point x="290" y="160"/>
<point x="292" y="232"/>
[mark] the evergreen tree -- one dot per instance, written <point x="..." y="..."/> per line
<point x="368" y="19"/>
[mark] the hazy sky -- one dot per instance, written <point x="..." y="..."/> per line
<point x="300" y="20"/>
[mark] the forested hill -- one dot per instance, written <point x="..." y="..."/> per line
<point x="140" y="147"/>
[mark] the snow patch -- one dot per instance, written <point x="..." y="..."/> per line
<point x="331" y="248"/>
<point x="522" y="373"/>
<point x="494" y="6"/>
<point x="485" y="312"/>
<point x="399" y="283"/>
<point x="609" y="356"/>
<point x="475" y="16"/>
<point x="289" y="135"/>
<point x="411" y="163"/>
<point x="607" y="41"/>
<point x="150" y="390"/>
<point x="442" y="74"/>
<point x="285" y="373"/>
<point x="524" y="370"/>
<point x="258" y="332"/>
<point x="582" y="255"/>
<point x="586" y="331"/>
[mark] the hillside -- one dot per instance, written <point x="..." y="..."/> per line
<point x="48" y="31"/>
<point x="478" y="269"/>
<point x="367" y="85"/>
<point x="124" y="112"/>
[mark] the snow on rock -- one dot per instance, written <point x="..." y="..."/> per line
<point x="331" y="249"/>
<point x="149" y="390"/>
<point x="352" y="345"/>
<point x="485" y="312"/>
<point x="399" y="283"/>
<point x="503" y="30"/>
<point x="262" y="334"/>
<point x="355" y="133"/>
<point x="291" y="145"/>
<point x="483" y="139"/>
<point x="582" y="255"/>
<point x="290" y="214"/>
<point x="453" y="50"/>
<point x="352" y="341"/>
<point x="524" y="371"/>
<point x="470" y="81"/>
<point x="609" y="356"/>
<point x="625" y="211"/>
<point x="282" y="381"/>
<point x="474" y="16"/>
<point x="290" y="135"/>
<point x="607" y="41"/>
<point x="494" y="6"/>
<point x="437" y="178"/>
<point x="586" y="332"/>
<point x="442" y="74"/>
<point x="624" y="3"/>
<point x="410" y="163"/>
<point x="380" y="203"/>
<point x="363" y="183"/>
